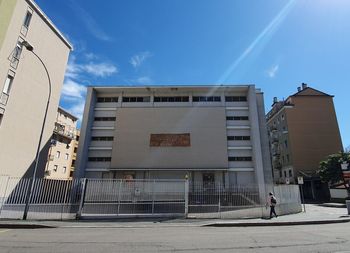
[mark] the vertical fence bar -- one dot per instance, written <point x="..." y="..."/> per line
<point x="4" y="197"/>
<point x="187" y="187"/>
<point x="82" y="197"/>
<point x="153" y="189"/>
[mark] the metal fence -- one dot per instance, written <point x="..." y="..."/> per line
<point x="206" y="198"/>
<point x="111" y="197"/>
<point x="70" y="199"/>
<point x="50" y="199"/>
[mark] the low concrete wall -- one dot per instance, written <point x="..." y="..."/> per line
<point x="338" y="193"/>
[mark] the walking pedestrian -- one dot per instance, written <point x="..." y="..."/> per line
<point x="272" y="202"/>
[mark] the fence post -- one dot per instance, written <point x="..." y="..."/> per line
<point x="4" y="196"/>
<point x="82" y="198"/>
<point x="187" y="192"/>
<point x="154" y="182"/>
<point x="119" y="196"/>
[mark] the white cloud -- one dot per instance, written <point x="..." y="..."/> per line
<point x="144" y="80"/>
<point x="73" y="90"/>
<point x="273" y="71"/>
<point x="101" y="69"/>
<point x="78" y="109"/>
<point x="138" y="59"/>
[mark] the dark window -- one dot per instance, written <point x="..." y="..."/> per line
<point x="102" y="138"/>
<point x="235" y="99"/>
<point x="240" y="158"/>
<point x="107" y="99"/>
<point x="206" y="98"/>
<point x="238" y="138"/>
<point x="171" y="99"/>
<point x="27" y="19"/>
<point x="285" y="173"/>
<point x="75" y="150"/>
<point x="290" y="173"/>
<point x="99" y="159"/>
<point x="237" y="118"/>
<point x="105" y="118"/>
<point x="136" y="99"/>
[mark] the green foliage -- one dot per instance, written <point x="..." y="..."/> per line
<point x="330" y="169"/>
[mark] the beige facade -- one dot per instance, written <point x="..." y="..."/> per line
<point x="303" y="131"/>
<point x="24" y="84"/>
<point x="62" y="147"/>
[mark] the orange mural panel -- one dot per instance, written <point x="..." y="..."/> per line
<point x="170" y="140"/>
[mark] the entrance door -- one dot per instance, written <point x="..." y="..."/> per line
<point x="208" y="180"/>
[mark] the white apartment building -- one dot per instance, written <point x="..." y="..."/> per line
<point x="205" y="133"/>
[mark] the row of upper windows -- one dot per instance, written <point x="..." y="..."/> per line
<point x="237" y="118"/>
<point x="55" y="168"/>
<point x="105" y="118"/>
<point x="102" y="138"/>
<point x="158" y="99"/>
<point x="58" y="155"/>
<point x="99" y="159"/>
<point x="238" y="138"/>
<point x="240" y="158"/>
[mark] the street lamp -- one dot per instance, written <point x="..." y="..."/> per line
<point x="30" y="48"/>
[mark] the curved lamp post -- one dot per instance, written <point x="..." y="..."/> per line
<point x="30" y="48"/>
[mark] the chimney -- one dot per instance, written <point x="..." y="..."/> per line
<point x="299" y="89"/>
<point x="274" y="100"/>
<point x="304" y="85"/>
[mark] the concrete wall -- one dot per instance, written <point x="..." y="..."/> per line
<point x="206" y="125"/>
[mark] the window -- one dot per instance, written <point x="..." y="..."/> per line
<point x="282" y="117"/>
<point x="285" y="173"/>
<point x="107" y="100"/>
<point x="1" y="117"/>
<point x="172" y="99"/>
<point x="286" y="143"/>
<point x="240" y="158"/>
<point x="27" y="19"/>
<point x="136" y="99"/>
<point x="237" y="118"/>
<point x="105" y="118"/>
<point x="102" y="138"/>
<point x="290" y="173"/>
<point x="238" y="138"/>
<point x="55" y="168"/>
<point x="235" y="99"/>
<point x="66" y="156"/>
<point x="206" y="99"/>
<point x="288" y="158"/>
<point x="8" y="84"/>
<point x="16" y="55"/>
<point x="58" y="153"/>
<point x="64" y="169"/>
<point x="100" y="159"/>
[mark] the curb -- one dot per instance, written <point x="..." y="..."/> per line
<point x="281" y="223"/>
<point x="24" y="226"/>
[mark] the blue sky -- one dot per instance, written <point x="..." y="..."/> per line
<point x="276" y="45"/>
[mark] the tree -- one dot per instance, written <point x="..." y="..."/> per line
<point x="330" y="170"/>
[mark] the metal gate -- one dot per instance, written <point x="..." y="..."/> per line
<point x="115" y="197"/>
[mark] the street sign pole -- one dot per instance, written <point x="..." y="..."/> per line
<point x="300" y="183"/>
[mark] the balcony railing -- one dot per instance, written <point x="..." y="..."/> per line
<point x="59" y="129"/>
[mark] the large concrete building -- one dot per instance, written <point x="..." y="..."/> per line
<point x="303" y="131"/>
<point x="24" y="84"/>
<point x="63" y="146"/>
<point x="206" y="133"/>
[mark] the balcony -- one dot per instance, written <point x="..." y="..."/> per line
<point x="60" y="130"/>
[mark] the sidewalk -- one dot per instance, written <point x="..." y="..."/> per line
<point x="315" y="214"/>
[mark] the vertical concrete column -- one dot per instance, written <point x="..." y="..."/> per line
<point x="85" y="134"/>
<point x="256" y="142"/>
<point x="187" y="192"/>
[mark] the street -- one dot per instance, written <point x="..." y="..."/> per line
<point x="311" y="238"/>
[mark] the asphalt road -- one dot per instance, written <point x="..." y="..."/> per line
<point x="311" y="238"/>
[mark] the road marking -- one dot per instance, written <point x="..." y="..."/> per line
<point x="4" y="231"/>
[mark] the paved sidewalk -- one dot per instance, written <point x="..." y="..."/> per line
<point x="315" y="214"/>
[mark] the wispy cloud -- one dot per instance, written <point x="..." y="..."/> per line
<point x="78" y="109"/>
<point x="144" y="80"/>
<point x="89" y="22"/>
<point x="73" y="90"/>
<point x="273" y="71"/>
<point x="137" y="59"/>
<point x="101" y="69"/>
